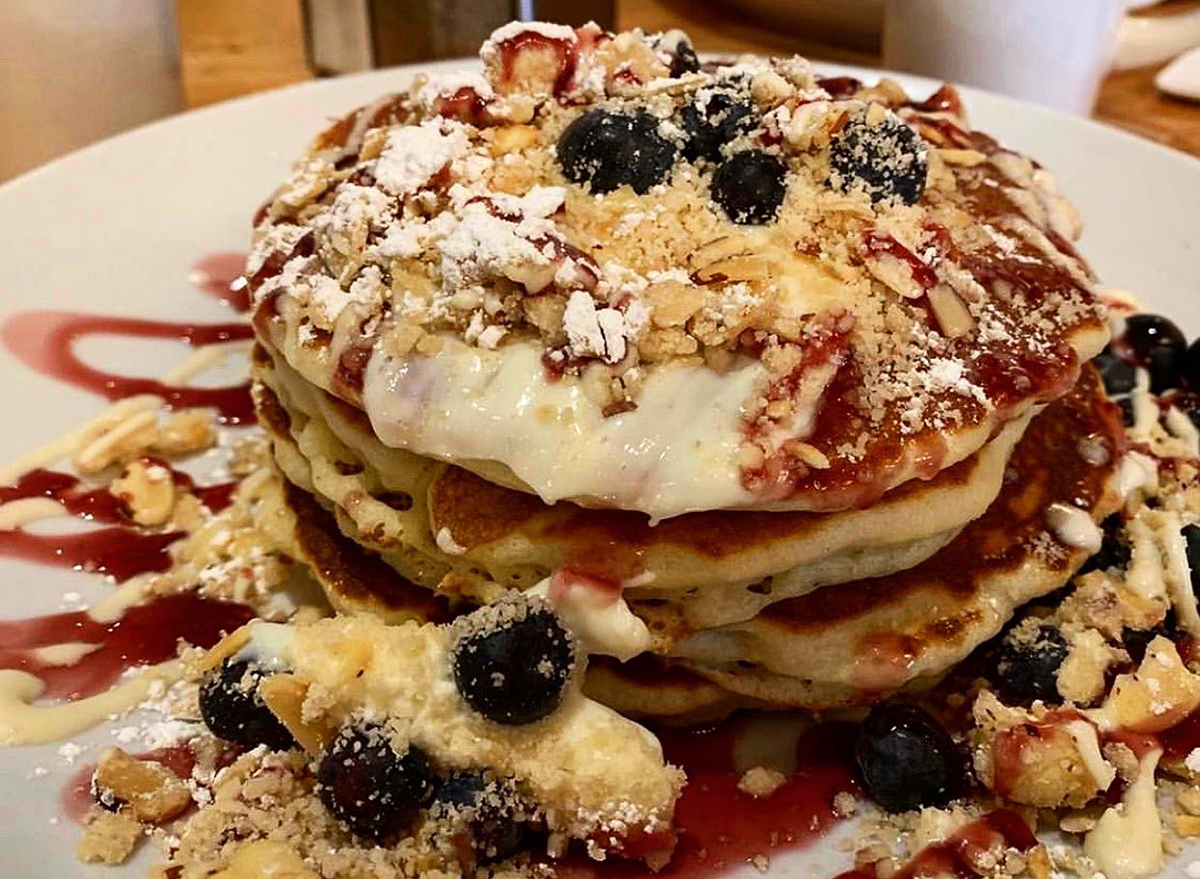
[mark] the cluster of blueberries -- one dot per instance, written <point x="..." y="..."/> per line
<point x="1156" y="344"/>
<point x="510" y="673"/>
<point x="606" y="149"/>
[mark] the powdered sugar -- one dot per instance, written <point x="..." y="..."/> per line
<point x="415" y="153"/>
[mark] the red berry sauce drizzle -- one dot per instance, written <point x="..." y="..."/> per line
<point x="721" y="827"/>
<point x="219" y="275"/>
<point x="145" y="634"/>
<point x="120" y="552"/>
<point x="955" y="856"/>
<point x="45" y="340"/>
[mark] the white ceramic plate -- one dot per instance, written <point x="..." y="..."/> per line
<point x="116" y="227"/>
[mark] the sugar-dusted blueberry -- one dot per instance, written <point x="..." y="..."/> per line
<point x="1119" y="375"/>
<point x="880" y="155"/>
<point x="233" y="709"/>
<point x="1157" y="344"/>
<point x="750" y="186"/>
<point x="1113" y="552"/>
<point x="488" y="810"/>
<point x="608" y="150"/>
<point x="1028" y="664"/>
<point x="907" y="760"/>
<point x="1191" y="537"/>
<point x="714" y="118"/>
<point x="684" y="59"/>
<point x="513" y="659"/>
<point x="371" y="787"/>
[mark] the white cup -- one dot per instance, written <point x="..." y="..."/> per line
<point x="1053" y="52"/>
<point x="74" y="71"/>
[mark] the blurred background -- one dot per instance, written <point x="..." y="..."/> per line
<point x="73" y="71"/>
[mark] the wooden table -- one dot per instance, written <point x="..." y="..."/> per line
<point x="235" y="47"/>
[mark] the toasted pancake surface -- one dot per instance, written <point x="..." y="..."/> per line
<point x="852" y="642"/>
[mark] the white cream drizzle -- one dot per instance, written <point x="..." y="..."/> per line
<point x="20" y="512"/>
<point x="74" y="439"/>
<point x="1145" y="410"/>
<point x="64" y="654"/>
<point x="1181" y="427"/>
<point x="1177" y="573"/>
<point x="1136" y="472"/>
<point x="600" y="619"/>
<point x="678" y="451"/>
<point x="1074" y="527"/>
<point x="23" y="723"/>
<point x="1127" y="841"/>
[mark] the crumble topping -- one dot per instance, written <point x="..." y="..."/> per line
<point x="450" y="216"/>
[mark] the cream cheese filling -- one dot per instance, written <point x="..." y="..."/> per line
<point x="677" y="452"/>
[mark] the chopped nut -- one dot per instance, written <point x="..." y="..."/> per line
<point x="761" y="781"/>
<point x="223" y="649"/>
<point x="1188" y="799"/>
<point x="769" y="88"/>
<point x="284" y="695"/>
<point x="1038" y="863"/>
<point x="512" y="138"/>
<point x="153" y="793"/>
<point x="969" y="158"/>
<point x="147" y="490"/>
<point x="186" y="432"/>
<point x="264" y="858"/>
<point x="1186" y="825"/>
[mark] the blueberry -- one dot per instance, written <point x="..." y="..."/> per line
<point x="1113" y="552"/>
<point x="369" y="786"/>
<point x="1119" y="375"/>
<point x="886" y="159"/>
<point x="1128" y="416"/>
<point x="1191" y="367"/>
<point x="907" y="760"/>
<point x="1028" y="669"/>
<point x="712" y="120"/>
<point x="608" y="150"/>
<point x="233" y="710"/>
<point x="489" y="810"/>
<point x="750" y="186"/>
<point x="1191" y="537"/>
<point x="1159" y="346"/>
<point x="684" y="60"/>
<point x="1135" y="641"/>
<point x="513" y="660"/>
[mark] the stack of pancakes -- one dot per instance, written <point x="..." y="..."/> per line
<point x="930" y="455"/>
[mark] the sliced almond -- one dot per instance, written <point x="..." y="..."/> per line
<point x="284" y="695"/>
<point x="735" y="268"/>
<point x="222" y="650"/>
<point x="512" y="138"/>
<point x="952" y="316"/>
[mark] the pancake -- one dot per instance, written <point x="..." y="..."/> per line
<point x="853" y="643"/>
<point x="470" y="267"/>
<point x="714" y="568"/>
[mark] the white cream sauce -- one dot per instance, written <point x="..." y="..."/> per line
<point x="24" y="723"/>
<point x="677" y="452"/>
<point x="1074" y="527"/>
